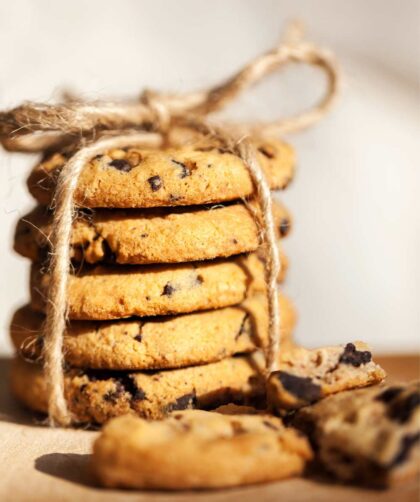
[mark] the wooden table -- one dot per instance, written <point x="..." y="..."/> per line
<point x="41" y="464"/>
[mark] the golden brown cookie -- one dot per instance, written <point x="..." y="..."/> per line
<point x="369" y="436"/>
<point x="200" y="173"/>
<point x="197" y="449"/>
<point x="151" y="236"/>
<point x="95" y="396"/>
<point x="116" y="292"/>
<point x="306" y="376"/>
<point x="157" y="343"/>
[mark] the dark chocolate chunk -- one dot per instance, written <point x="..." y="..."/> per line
<point x="407" y="443"/>
<point x="138" y="338"/>
<point x="168" y="289"/>
<point x="130" y="386"/>
<point x="400" y="410"/>
<point x="185" y="171"/>
<point x="354" y="357"/>
<point x="121" y="164"/>
<point x="284" y="227"/>
<point x="109" y="255"/>
<point x="155" y="183"/>
<point x="112" y="396"/>
<point x="388" y="395"/>
<point x="125" y="381"/>
<point x="182" y="403"/>
<point x="199" y="280"/>
<point x="301" y="387"/>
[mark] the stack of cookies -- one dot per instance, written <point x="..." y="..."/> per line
<point x="166" y="299"/>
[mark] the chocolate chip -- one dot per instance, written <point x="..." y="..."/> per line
<point x="235" y="241"/>
<point x="144" y="235"/>
<point x="123" y="381"/>
<point x="137" y="394"/>
<point x="199" y="280"/>
<point x="168" y="289"/>
<point x="284" y="227"/>
<point x="301" y="387"/>
<point x="155" y="183"/>
<point x="184" y="169"/>
<point x="407" y="444"/>
<point x="400" y="410"/>
<point x="267" y="151"/>
<point x="121" y="164"/>
<point x="138" y="338"/>
<point x="182" y="403"/>
<point x="112" y="396"/>
<point x="354" y="357"/>
<point x="389" y="394"/>
<point x="109" y="255"/>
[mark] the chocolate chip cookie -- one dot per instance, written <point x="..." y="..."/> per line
<point x="201" y="173"/>
<point x="368" y="435"/>
<point x="152" y="236"/>
<point x="197" y="449"/>
<point x="305" y="376"/>
<point x="95" y="396"/>
<point x="116" y="292"/>
<point x="157" y="343"/>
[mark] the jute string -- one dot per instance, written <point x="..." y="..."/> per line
<point x="97" y="127"/>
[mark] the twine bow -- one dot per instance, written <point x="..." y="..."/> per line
<point x="99" y="126"/>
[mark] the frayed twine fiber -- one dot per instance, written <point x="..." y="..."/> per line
<point x="36" y="127"/>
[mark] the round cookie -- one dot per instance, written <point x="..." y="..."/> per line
<point x="116" y="292"/>
<point x="95" y="396"/>
<point x="197" y="449"/>
<point x="306" y="376"/>
<point x="151" y="236"/>
<point x="157" y="343"/>
<point x="199" y="173"/>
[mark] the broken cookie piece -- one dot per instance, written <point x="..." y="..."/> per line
<point x="370" y="436"/>
<point x="305" y="376"/>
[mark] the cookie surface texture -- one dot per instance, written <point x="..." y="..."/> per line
<point x="198" y="449"/>
<point x="97" y="396"/>
<point x="150" y="236"/>
<point x="370" y="436"/>
<point x="157" y="343"/>
<point x="306" y="376"/>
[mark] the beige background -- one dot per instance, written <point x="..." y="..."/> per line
<point x="354" y="251"/>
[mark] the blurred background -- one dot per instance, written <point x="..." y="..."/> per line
<point x="355" y="246"/>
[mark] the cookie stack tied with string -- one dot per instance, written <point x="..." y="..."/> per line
<point x="167" y="301"/>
